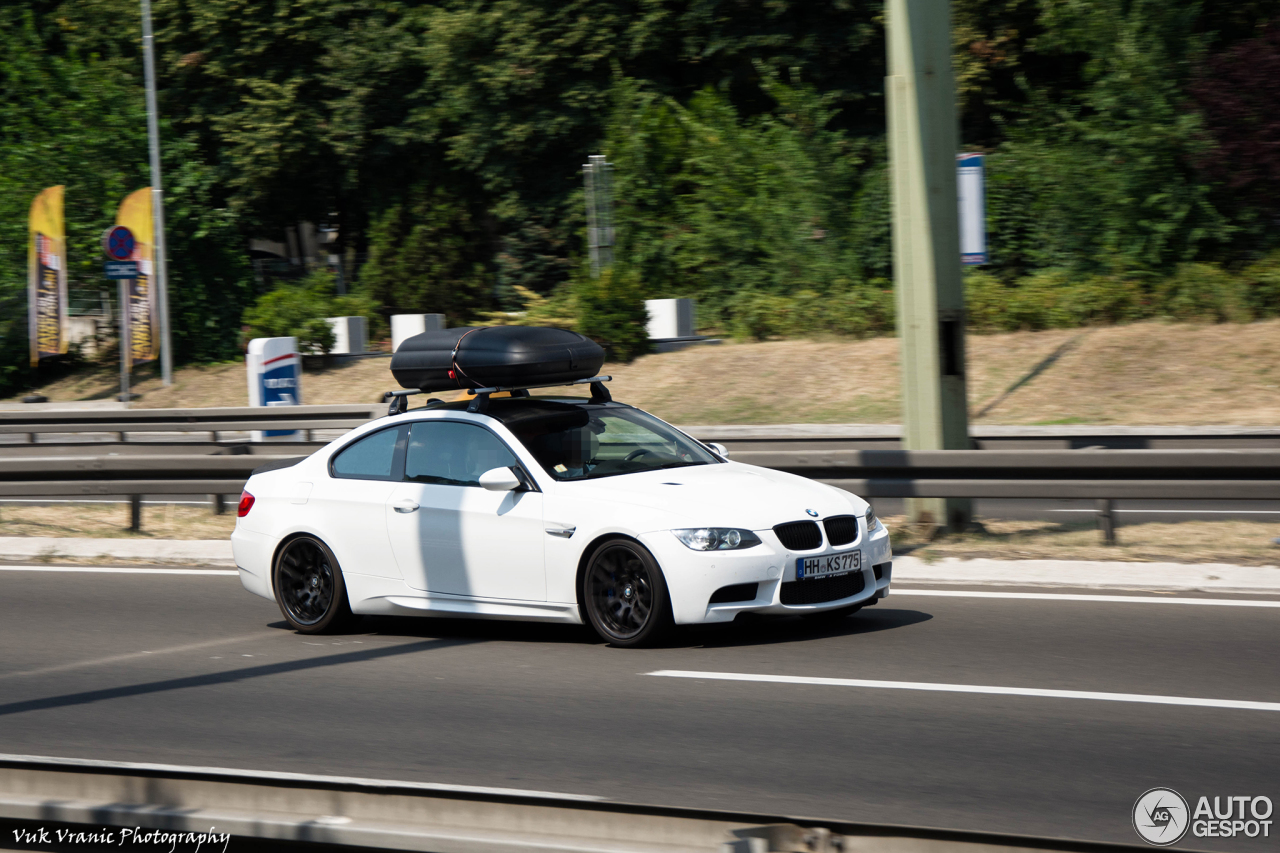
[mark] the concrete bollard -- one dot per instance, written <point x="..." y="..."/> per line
<point x="407" y="325"/>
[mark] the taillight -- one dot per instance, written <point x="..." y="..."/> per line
<point x="246" y="504"/>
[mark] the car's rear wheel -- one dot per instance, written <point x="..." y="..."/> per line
<point x="309" y="587"/>
<point x="625" y="595"/>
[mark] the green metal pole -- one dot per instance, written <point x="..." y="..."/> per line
<point x="923" y="140"/>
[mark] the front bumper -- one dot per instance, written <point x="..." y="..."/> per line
<point x="694" y="577"/>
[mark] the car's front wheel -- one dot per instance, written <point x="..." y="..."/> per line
<point x="625" y="595"/>
<point x="309" y="587"/>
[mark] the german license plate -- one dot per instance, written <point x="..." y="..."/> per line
<point x="831" y="564"/>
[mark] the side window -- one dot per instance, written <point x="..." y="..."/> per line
<point x="453" y="454"/>
<point x="370" y="458"/>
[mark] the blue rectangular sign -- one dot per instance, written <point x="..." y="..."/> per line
<point x="120" y="269"/>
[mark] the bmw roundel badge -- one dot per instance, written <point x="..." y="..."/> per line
<point x="812" y="512"/>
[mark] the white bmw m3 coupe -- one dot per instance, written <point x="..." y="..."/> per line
<point x="555" y="509"/>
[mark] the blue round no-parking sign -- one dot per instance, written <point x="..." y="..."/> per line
<point x="118" y="243"/>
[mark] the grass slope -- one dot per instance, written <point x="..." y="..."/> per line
<point x="1147" y="373"/>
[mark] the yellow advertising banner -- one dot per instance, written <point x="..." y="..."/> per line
<point x="135" y="214"/>
<point x="47" y="276"/>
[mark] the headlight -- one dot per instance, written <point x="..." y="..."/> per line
<point x="872" y="521"/>
<point x="717" y="538"/>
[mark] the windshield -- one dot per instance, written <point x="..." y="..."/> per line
<point x="580" y="443"/>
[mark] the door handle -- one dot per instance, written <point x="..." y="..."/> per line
<point x="405" y="506"/>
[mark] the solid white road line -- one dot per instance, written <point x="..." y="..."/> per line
<point x="113" y="570"/>
<point x="293" y="777"/>
<point x="1054" y="596"/>
<point x="1143" y="698"/>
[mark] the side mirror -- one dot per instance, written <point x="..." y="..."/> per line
<point x="500" y="480"/>
<point x="719" y="448"/>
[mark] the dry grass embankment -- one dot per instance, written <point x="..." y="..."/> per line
<point x="1146" y="373"/>
<point x="111" y="521"/>
<point x="1241" y="543"/>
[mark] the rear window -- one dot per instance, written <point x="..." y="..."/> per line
<point x="369" y="458"/>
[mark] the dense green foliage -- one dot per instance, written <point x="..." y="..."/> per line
<point x="298" y="310"/>
<point x="1132" y="165"/>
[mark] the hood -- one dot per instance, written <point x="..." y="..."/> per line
<point x="728" y="495"/>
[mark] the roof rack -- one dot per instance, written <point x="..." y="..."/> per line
<point x="599" y="394"/>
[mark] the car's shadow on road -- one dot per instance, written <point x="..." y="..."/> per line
<point x="746" y="631"/>
<point x="771" y="630"/>
<point x="455" y="628"/>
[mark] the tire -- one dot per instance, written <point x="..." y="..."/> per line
<point x="625" y="595"/>
<point x="308" y="585"/>
<point x="831" y="618"/>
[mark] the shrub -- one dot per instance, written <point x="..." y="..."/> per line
<point x="559" y="310"/>
<point x="299" y="310"/>
<point x="856" y="311"/>
<point x="1050" y="299"/>
<point x="611" y="311"/>
<point x="1262" y="286"/>
<point x="1204" y="292"/>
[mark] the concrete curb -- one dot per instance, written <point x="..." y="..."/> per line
<point x="1169" y="577"/>
<point x="1172" y="577"/>
<point x="205" y="552"/>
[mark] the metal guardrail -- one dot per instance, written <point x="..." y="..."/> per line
<point x="212" y="420"/>
<point x="391" y="815"/>
<point x="186" y="474"/>
<point x="1090" y="474"/>
<point x="1005" y="474"/>
<point x="738" y="437"/>
<point x="985" y="437"/>
<point x="1113" y="474"/>
<point x="1101" y="475"/>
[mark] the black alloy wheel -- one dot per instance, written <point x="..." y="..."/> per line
<point x="309" y="587"/>
<point x="625" y="595"/>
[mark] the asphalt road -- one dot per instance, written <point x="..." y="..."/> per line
<point x="190" y="669"/>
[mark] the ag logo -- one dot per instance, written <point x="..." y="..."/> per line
<point x="812" y="512"/>
<point x="1160" y="816"/>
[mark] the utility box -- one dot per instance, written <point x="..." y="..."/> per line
<point x="405" y="326"/>
<point x="349" y="335"/>
<point x="275" y="379"/>
<point x="669" y="319"/>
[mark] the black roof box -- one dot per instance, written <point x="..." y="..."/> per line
<point x="493" y="357"/>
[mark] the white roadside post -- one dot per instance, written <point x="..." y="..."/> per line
<point x="405" y="326"/>
<point x="669" y="319"/>
<point x="971" y="189"/>
<point x="275" y="379"/>
<point x="349" y="335"/>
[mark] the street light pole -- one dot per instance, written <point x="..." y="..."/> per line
<point x="923" y="140"/>
<point x="159" y="253"/>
